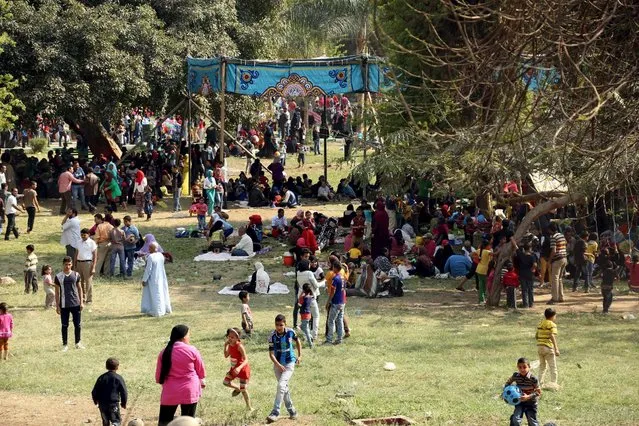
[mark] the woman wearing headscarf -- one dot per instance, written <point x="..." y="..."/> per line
<point x="442" y="254"/>
<point x="381" y="236"/>
<point x="139" y="187"/>
<point x="398" y="245"/>
<point x="209" y="190"/>
<point x="148" y="240"/>
<point x="111" y="190"/>
<point x="180" y="370"/>
<point x="112" y="169"/>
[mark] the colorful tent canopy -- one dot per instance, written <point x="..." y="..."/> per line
<point x="293" y="78"/>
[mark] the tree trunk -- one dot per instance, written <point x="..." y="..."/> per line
<point x="96" y="137"/>
<point x="484" y="202"/>
<point x="507" y="251"/>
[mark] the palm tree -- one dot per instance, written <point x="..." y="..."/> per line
<point x="326" y="23"/>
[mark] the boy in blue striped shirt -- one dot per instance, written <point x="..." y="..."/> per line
<point x="282" y="355"/>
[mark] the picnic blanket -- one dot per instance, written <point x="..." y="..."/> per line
<point x="219" y="257"/>
<point x="275" y="288"/>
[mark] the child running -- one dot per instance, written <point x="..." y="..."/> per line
<point x="49" y="287"/>
<point x="281" y="353"/>
<point x="30" y="267"/>
<point x="109" y="392"/>
<point x="6" y="331"/>
<point x="529" y="386"/>
<point x="240" y="368"/>
<point x="247" y="316"/>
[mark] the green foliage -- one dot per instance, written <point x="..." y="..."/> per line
<point x="9" y="103"/>
<point x="38" y="145"/>
<point x="97" y="59"/>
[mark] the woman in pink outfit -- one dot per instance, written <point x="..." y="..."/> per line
<point x="181" y="373"/>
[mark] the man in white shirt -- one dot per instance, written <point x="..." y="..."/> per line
<point x="324" y="192"/>
<point x="244" y="247"/>
<point x="11" y="208"/>
<point x="71" y="232"/>
<point x="85" y="258"/>
<point x="279" y="224"/>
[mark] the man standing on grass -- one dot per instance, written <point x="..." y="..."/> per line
<point x="102" y="239"/>
<point x="70" y="232"/>
<point x="68" y="298"/>
<point x="85" y="260"/>
<point x="65" y="181"/>
<point x="11" y="209"/>
<point x="558" y="264"/>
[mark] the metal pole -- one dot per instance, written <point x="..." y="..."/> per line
<point x="222" y="108"/>
<point x="325" y="120"/>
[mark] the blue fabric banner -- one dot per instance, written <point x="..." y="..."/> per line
<point x="300" y="78"/>
<point x="204" y="76"/>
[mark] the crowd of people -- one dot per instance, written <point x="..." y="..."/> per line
<point x="383" y="243"/>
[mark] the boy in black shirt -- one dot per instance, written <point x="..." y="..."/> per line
<point x="527" y="263"/>
<point x="109" y="390"/>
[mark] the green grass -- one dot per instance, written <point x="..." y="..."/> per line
<point x="452" y="356"/>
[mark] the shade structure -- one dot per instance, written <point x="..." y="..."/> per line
<point x="292" y="78"/>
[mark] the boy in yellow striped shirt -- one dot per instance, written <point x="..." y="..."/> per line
<point x="547" y="347"/>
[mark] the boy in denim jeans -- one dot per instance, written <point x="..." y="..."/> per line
<point x="529" y="386"/>
<point x="337" y="301"/>
<point x="282" y="355"/>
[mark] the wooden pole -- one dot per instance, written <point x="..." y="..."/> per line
<point x="189" y="141"/>
<point x="325" y="125"/>
<point x="222" y="108"/>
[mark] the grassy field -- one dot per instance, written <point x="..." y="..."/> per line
<point x="452" y="356"/>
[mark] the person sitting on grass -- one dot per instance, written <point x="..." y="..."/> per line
<point x="244" y="247"/>
<point x="289" y="199"/>
<point x="279" y="224"/>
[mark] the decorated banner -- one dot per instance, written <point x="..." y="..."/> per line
<point x="300" y="78"/>
<point x="204" y="76"/>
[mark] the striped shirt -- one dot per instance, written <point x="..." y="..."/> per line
<point x="528" y="384"/>
<point x="545" y="329"/>
<point x="558" y="242"/>
<point x="282" y="346"/>
<point x="31" y="263"/>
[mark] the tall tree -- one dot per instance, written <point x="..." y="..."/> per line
<point x="91" y="61"/>
<point x="520" y="87"/>
<point x="9" y="104"/>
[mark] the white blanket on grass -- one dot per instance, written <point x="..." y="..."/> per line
<point x="275" y="288"/>
<point x="219" y="257"/>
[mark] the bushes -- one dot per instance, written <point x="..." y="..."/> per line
<point x="39" y="145"/>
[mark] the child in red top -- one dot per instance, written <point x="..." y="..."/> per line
<point x="201" y="209"/>
<point x="240" y="368"/>
<point x="510" y="280"/>
<point x="633" y="269"/>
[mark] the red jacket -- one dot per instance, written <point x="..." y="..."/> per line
<point x="510" y="279"/>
